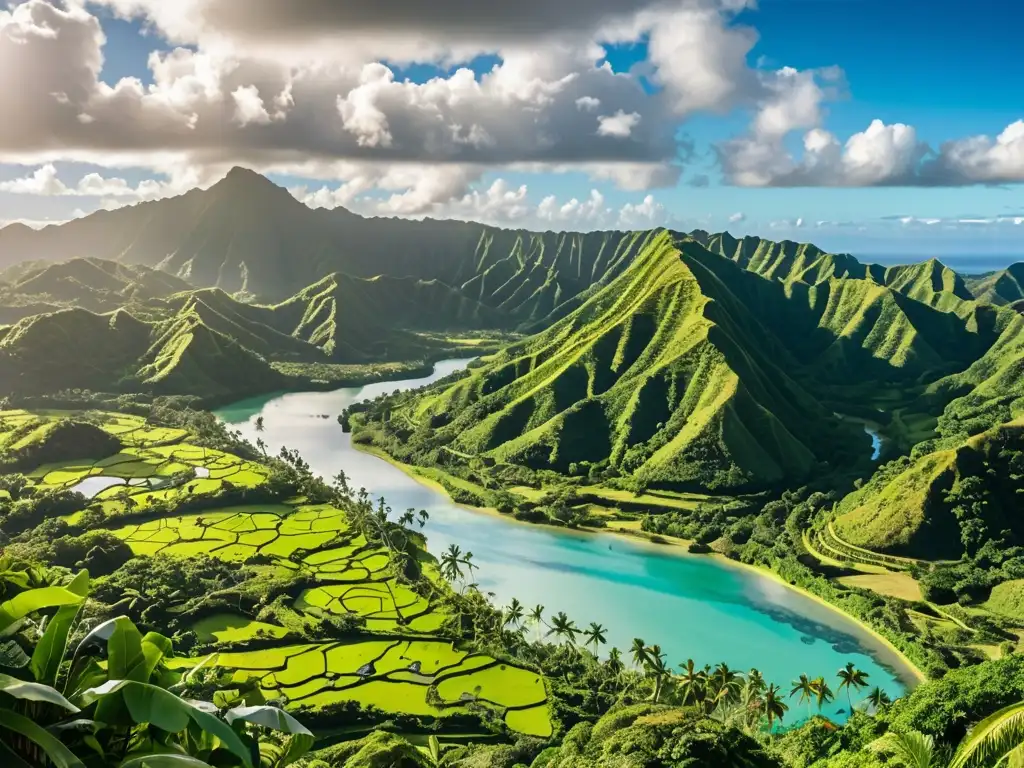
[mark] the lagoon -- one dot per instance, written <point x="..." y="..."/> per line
<point x="693" y="606"/>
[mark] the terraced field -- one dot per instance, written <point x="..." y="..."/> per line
<point x="396" y="663"/>
<point x="393" y="675"/>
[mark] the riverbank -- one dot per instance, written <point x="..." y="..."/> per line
<point x="909" y="674"/>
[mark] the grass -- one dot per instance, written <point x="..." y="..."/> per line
<point x="232" y="628"/>
<point x="1007" y="599"/>
<point x="899" y="585"/>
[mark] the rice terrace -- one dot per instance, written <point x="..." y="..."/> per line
<point x="398" y="662"/>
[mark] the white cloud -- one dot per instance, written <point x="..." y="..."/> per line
<point x="587" y="103"/>
<point x="645" y="215"/>
<point x="44" y="182"/>
<point x="736" y="218"/>
<point x="620" y="125"/>
<point x="249" y="107"/>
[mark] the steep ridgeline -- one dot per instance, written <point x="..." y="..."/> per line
<point x="944" y="503"/>
<point x="665" y="374"/>
<point x="1003" y="287"/>
<point x="247" y="234"/>
<point x="340" y="319"/>
<point x="32" y="288"/>
<point x="183" y="340"/>
<point x="117" y="352"/>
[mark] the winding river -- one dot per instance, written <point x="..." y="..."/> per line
<point x="693" y="606"/>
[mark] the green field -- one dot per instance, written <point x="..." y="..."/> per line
<point x="390" y="662"/>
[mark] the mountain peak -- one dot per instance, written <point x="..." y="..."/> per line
<point x="240" y="179"/>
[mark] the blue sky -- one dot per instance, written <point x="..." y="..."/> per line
<point x="950" y="71"/>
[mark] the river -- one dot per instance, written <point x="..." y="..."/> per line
<point x="693" y="606"/>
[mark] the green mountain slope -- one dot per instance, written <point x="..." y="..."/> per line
<point x="924" y="507"/>
<point x="75" y="348"/>
<point x="1003" y="287"/>
<point x="664" y="374"/>
<point x="95" y="284"/>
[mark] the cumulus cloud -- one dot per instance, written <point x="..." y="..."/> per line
<point x="44" y="181"/>
<point x="619" y="126"/>
<point x="736" y="218"/>
<point x="881" y="155"/>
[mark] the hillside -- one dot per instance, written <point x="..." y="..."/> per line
<point x="664" y="375"/>
<point x="247" y="234"/>
<point x="1003" y="287"/>
<point x="942" y="504"/>
<point x="116" y="352"/>
<point x="98" y="285"/>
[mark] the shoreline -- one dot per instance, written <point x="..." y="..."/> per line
<point x="674" y="547"/>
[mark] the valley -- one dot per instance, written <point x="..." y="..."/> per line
<point x="413" y="480"/>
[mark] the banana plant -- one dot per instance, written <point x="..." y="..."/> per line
<point x="79" y="712"/>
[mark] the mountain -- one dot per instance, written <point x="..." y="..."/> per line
<point x="117" y="352"/>
<point x="98" y="285"/>
<point x="247" y="234"/>
<point x="664" y="374"/>
<point x="933" y="505"/>
<point x="1003" y="287"/>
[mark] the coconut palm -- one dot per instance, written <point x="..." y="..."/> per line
<point x="725" y="684"/>
<point x="638" y="650"/>
<point x="693" y="683"/>
<point x="996" y="740"/>
<point x="537" y="617"/>
<point x="656" y="668"/>
<point x="467" y="560"/>
<point x="878" y="698"/>
<point x="614" y="663"/>
<point x="851" y="678"/>
<point x="563" y="626"/>
<point x="595" y="635"/>
<point x="514" y="613"/>
<point x="773" y="706"/>
<point x="803" y="687"/>
<point x="822" y="692"/>
<point x="451" y="563"/>
<point x="912" y="749"/>
<point x="259" y="423"/>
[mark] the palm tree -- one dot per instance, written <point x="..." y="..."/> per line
<point x="614" y="663"/>
<point x="259" y="423"/>
<point x="805" y="688"/>
<point x="656" y="668"/>
<point x="638" y="650"/>
<point x="451" y="563"/>
<point x="774" y="707"/>
<point x="514" y="613"/>
<point x="693" y="682"/>
<point x="912" y="749"/>
<point x="878" y="698"/>
<point x="725" y="683"/>
<point x="596" y="635"/>
<point x="537" y="617"/>
<point x="851" y="677"/>
<point x="467" y="560"/>
<point x="822" y="692"/>
<point x="997" y="738"/>
<point x="563" y="626"/>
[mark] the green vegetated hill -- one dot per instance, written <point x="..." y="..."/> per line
<point x="247" y="234"/>
<point x="35" y="287"/>
<point x="664" y="374"/>
<point x="117" y="352"/>
<point x="208" y="343"/>
<point x="692" y="371"/>
<point x="1003" y="287"/>
<point x="942" y="503"/>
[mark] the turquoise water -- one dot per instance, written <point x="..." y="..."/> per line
<point x="693" y="606"/>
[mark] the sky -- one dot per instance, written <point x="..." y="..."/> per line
<point x="865" y="126"/>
